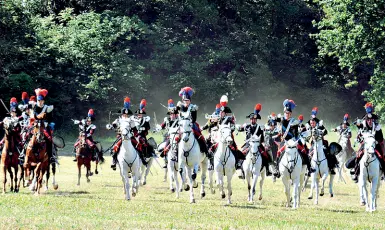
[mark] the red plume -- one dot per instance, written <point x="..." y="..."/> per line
<point x="24" y="95"/>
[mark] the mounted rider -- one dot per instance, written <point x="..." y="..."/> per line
<point x="225" y="118"/>
<point x="168" y="122"/>
<point x="288" y="131"/>
<point x="192" y="110"/>
<point x="86" y="126"/>
<point x="212" y="125"/>
<point x="140" y="141"/>
<point x="320" y="126"/>
<point x="344" y="130"/>
<point x="125" y="113"/>
<point x="368" y="123"/>
<point x="270" y="133"/>
<point x="13" y="111"/>
<point x="254" y="128"/>
<point x="43" y="113"/>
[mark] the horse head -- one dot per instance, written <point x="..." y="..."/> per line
<point x="174" y="137"/>
<point x="8" y="125"/>
<point x="225" y="134"/>
<point x="370" y="144"/>
<point x="291" y="153"/>
<point x="39" y="131"/>
<point x="254" y="142"/>
<point x="185" y="126"/>
<point x="125" y="126"/>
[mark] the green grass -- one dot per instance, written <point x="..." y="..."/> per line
<point x="100" y="204"/>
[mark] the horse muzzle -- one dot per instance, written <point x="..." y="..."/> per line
<point x="185" y="139"/>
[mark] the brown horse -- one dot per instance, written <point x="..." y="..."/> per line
<point x="83" y="156"/>
<point x="10" y="155"/>
<point x="36" y="156"/>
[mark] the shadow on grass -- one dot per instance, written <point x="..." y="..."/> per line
<point x="68" y="193"/>
<point x="255" y="207"/>
<point x="342" y="211"/>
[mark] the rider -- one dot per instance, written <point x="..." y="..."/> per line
<point x="344" y="129"/>
<point x="17" y="129"/>
<point x="191" y="109"/>
<point x="89" y="129"/>
<point x="141" y="132"/>
<point x="43" y="113"/>
<point x="125" y="113"/>
<point x="321" y="127"/>
<point x="170" y="121"/>
<point x="288" y="131"/>
<point x="369" y="122"/>
<point x="254" y="128"/>
<point x="331" y="158"/>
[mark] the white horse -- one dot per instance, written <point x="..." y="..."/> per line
<point x="345" y="154"/>
<point x="172" y="159"/>
<point x="292" y="173"/>
<point x="370" y="172"/>
<point x="145" y="169"/>
<point x="189" y="156"/>
<point x="128" y="159"/>
<point x="252" y="167"/>
<point x="320" y="164"/>
<point x="224" y="160"/>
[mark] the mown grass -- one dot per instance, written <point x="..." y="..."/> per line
<point x="100" y="204"/>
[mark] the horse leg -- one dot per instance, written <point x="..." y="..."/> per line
<point x="191" y="183"/>
<point x="144" y="182"/>
<point x="331" y="185"/>
<point x="263" y="175"/>
<point x="79" y="170"/>
<point x="229" y="189"/>
<point x="47" y="177"/>
<point x="16" y="189"/>
<point x="54" y="183"/>
<point x="220" y="184"/>
<point x="9" y="168"/>
<point x="126" y="182"/>
<point x="174" y="176"/>
<point x="287" y="190"/>
<point x="4" y="177"/>
<point x="88" y="174"/>
<point x="316" y="187"/>
<point x="171" y="175"/>
<point x="254" y="184"/>
<point x="324" y="178"/>
<point x="20" y="177"/>
<point x="166" y="170"/>
<point x="295" y="193"/>
<point x="312" y="185"/>
<point x="374" y="194"/>
<point x="248" y="178"/>
<point x="135" y="182"/>
<point x="39" y="178"/>
<point x="203" y="177"/>
<point x="96" y="167"/>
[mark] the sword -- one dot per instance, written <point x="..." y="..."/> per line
<point x="163" y="106"/>
<point x="2" y="102"/>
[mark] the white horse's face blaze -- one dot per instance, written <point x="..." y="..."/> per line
<point x="185" y="128"/>
<point x="225" y="134"/>
<point x="370" y="145"/>
<point x="254" y="144"/>
<point x="125" y="127"/>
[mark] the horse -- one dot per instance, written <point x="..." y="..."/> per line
<point x="346" y="153"/>
<point x="145" y="169"/>
<point x="10" y="155"/>
<point x="320" y="164"/>
<point x="271" y="145"/>
<point x="189" y="155"/>
<point x="172" y="160"/>
<point x="36" y="156"/>
<point x="83" y="156"/>
<point x="128" y="158"/>
<point x="292" y="172"/>
<point x="252" y="167"/>
<point x="370" y="172"/>
<point x="224" y="160"/>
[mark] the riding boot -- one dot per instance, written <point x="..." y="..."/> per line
<point x="141" y="156"/>
<point x="265" y="163"/>
<point x="356" y="171"/>
<point x="49" y="152"/>
<point x="210" y="156"/>
<point x="238" y="166"/>
<point x="202" y="145"/>
<point x="114" y="159"/>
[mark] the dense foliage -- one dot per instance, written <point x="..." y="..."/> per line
<point x="94" y="52"/>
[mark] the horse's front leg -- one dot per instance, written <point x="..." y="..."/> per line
<point x="254" y="184"/>
<point x="88" y="173"/>
<point x="191" y="182"/>
<point x="331" y="185"/>
<point x="374" y="194"/>
<point x="248" y="179"/>
<point x="286" y="183"/>
<point x="229" y="189"/>
<point x="220" y="184"/>
<point x="144" y="182"/>
<point x="11" y="177"/>
<point x="96" y="166"/>
<point x="79" y="172"/>
<point x="54" y="183"/>
<point x="263" y="175"/>
<point x="47" y="177"/>
<point x="4" y="177"/>
<point x="174" y="175"/>
<point x="211" y="181"/>
<point x="296" y="193"/>
<point x="324" y="178"/>
<point x="312" y="185"/>
<point x="16" y="189"/>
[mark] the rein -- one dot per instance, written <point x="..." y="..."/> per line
<point x="295" y="160"/>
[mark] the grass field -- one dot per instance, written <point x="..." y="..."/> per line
<point x="100" y="204"/>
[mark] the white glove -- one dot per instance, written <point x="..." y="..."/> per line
<point x="321" y="123"/>
<point x="378" y="127"/>
<point x="76" y="122"/>
<point x="307" y="126"/>
<point x="279" y="115"/>
<point x="109" y="126"/>
<point x="359" y="121"/>
<point x="25" y="116"/>
<point x="158" y="128"/>
<point x="237" y="126"/>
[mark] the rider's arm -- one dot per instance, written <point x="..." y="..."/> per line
<point x="194" y="116"/>
<point x="242" y="128"/>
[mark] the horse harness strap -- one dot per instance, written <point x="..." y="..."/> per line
<point x="187" y="153"/>
<point x="295" y="163"/>
<point x="130" y="164"/>
<point x="366" y="164"/>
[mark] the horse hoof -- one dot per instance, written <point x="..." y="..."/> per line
<point x="223" y="196"/>
<point x="195" y="185"/>
<point x="363" y="203"/>
<point x="203" y="194"/>
<point x="91" y="174"/>
<point x="36" y="194"/>
<point x="172" y="190"/>
<point x="316" y="202"/>
<point x="78" y="184"/>
<point x="133" y="194"/>
<point x="321" y="194"/>
<point x="55" y="186"/>
<point x="187" y="188"/>
<point x="194" y="176"/>
<point x="88" y="180"/>
<point x="96" y="172"/>
<point x="228" y="202"/>
<point x="212" y="191"/>
<point x="16" y="190"/>
<point x="310" y="197"/>
<point x="192" y="201"/>
<point x="144" y="183"/>
<point x="332" y="195"/>
<point x="260" y="198"/>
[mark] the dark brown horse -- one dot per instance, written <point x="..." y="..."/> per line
<point x="10" y="155"/>
<point x="98" y="156"/>
<point x="83" y="156"/>
<point x="36" y="156"/>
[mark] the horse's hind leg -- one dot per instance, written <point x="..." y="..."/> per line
<point x="263" y="175"/>
<point x="229" y="189"/>
<point x="144" y="182"/>
<point x="203" y="177"/>
<point x="54" y="184"/>
<point x="88" y="174"/>
<point x="96" y="167"/>
<point x="16" y="189"/>
<point x="331" y="185"/>
<point x="79" y="171"/>
<point x="47" y="177"/>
